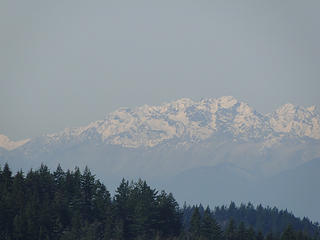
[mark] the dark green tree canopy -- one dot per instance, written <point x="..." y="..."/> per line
<point x="75" y="205"/>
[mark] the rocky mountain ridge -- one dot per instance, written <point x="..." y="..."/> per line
<point x="221" y="144"/>
<point x="191" y="121"/>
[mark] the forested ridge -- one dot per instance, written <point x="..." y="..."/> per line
<point x="75" y="205"/>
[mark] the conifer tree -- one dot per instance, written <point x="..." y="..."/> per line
<point x="251" y="235"/>
<point x="88" y="190"/>
<point x="59" y="177"/>
<point x="269" y="236"/>
<point x="195" y="224"/>
<point x="230" y="232"/>
<point x="6" y="201"/>
<point x="123" y="211"/>
<point x="168" y="215"/>
<point x="217" y="231"/>
<point x="70" y="205"/>
<point x="288" y="234"/>
<point x="260" y="236"/>
<point x="19" y="225"/>
<point x="242" y="232"/>
<point x="206" y="227"/>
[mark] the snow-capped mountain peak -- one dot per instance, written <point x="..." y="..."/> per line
<point x="190" y="121"/>
<point x="195" y="121"/>
<point x="7" y="144"/>
<point x="303" y="122"/>
<point x="227" y="101"/>
<point x="311" y="108"/>
<point x="178" y="136"/>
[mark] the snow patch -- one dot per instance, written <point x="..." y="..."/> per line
<point x="227" y="101"/>
<point x="191" y="121"/>
<point x="6" y="143"/>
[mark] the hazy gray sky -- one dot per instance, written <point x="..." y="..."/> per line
<point x="67" y="63"/>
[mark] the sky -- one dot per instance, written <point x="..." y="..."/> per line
<point x="68" y="63"/>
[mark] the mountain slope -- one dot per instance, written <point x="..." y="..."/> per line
<point x="184" y="139"/>
<point x="295" y="189"/>
<point x="206" y="130"/>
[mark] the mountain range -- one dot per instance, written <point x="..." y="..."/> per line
<point x="194" y="149"/>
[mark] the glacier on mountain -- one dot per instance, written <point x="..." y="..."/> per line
<point x="191" y="121"/>
<point x="211" y="142"/>
<point x="148" y="126"/>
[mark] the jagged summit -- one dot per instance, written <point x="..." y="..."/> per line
<point x="193" y="121"/>
<point x="199" y="120"/>
<point x="183" y="118"/>
<point x="223" y="141"/>
<point x="303" y="122"/>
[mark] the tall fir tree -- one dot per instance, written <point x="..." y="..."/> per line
<point x="207" y="224"/>
<point x="195" y="224"/>
<point x="242" y="232"/>
<point x="288" y="234"/>
<point x="231" y="231"/>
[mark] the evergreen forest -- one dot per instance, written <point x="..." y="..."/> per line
<point x="65" y="205"/>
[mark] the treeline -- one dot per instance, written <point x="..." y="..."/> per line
<point x="259" y="218"/>
<point x="202" y="224"/>
<point x="74" y="205"/>
<point x="68" y="204"/>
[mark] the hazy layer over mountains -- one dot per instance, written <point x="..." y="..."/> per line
<point x="192" y="149"/>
